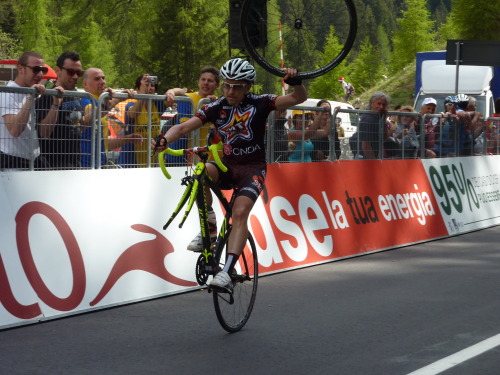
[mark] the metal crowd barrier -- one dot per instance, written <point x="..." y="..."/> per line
<point x="107" y="128"/>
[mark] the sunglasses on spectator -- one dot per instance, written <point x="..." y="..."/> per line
<point x="235" y="86"/>
<point x="37" y="69"/>
<point x="72" y="72"/>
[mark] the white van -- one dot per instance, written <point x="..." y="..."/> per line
<point x="349" y="129"/>
<point x="438" y="81"/>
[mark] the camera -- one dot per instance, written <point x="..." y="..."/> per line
<point x="153" y="80"/>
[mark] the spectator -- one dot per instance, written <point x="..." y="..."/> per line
<point x="428" y="108"/>
<point x="137" y="154"/>
<point x="300" y="145"/>
<point x="339" y="128"/>
<point x="321" y="138"/>
<point x="18" y="141"/>
<point x="373" y="127"/>
<point x="476" y="126"/>
<point x="280" y="135"/>
<point x="468" y="124"/>
<point x="59" y="117"/>
<point x="493" y="131"/>
<point x="406" y="134"/>
<point x="94" y="82"/>
<point x="447" y="133"/>
<point x="393" y="120"/>
<point x="208" y="83"/>
<point x="348" y="89"/>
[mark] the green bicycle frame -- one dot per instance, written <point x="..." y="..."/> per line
<point x="194" y="192"/>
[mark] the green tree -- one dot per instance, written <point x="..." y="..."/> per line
<point x="384" y="46"/>
<point x="367" y="69"/>
<point x="115" y="36"/>
<point x="194" y="34"/>
<point x="447" y="30"/>
<point x="327" y="85"/>
<point x="476" y="20"/>
<point x="97" y="51"/>
<point x="367" y="25"/>
<point x="414" y="33"/>
<point x="36" y="28"/>
<point x="8" y="46"/>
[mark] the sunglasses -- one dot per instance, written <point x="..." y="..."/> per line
<point x="72" y="72"/>
<point x="235" y="86"/>
<point x="37" y="69"/>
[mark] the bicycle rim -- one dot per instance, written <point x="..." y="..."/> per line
<point x="305" y="27"/>
<point x="233" y="316"/>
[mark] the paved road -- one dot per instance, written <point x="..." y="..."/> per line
<point x="387" y="313"/>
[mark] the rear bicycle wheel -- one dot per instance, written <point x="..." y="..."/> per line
<point x="307" y="28"/>
<point x="233" y="311"/>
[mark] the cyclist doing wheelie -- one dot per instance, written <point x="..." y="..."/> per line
<point x="240" y="120"/>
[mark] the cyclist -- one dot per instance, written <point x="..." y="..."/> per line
<point x="240" y="120"/>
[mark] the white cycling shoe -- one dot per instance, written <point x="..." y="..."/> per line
<point x="196" y="244"/>
<point x="222" y="283"/>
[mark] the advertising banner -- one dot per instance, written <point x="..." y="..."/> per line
<point x="468" y="191"/>
<point x="73" y="241"/>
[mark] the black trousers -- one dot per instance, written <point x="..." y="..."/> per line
<point x="15" y="162"/>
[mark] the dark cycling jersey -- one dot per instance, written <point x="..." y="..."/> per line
<point x="241" y="128"/>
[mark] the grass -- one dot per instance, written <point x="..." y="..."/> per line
<point x="399" y="87"/>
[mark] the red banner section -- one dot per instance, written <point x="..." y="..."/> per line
<point x="323" y="211"/>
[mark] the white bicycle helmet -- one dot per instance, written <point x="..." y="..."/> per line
<point x="238" y="69"/>
<point x="462" y="100"/>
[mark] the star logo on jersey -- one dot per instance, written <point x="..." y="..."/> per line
<point x="238" y="126"/>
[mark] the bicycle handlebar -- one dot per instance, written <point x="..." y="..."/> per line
<point x="214" y="149"/>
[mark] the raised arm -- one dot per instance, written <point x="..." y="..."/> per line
<point x="299" y="94"/>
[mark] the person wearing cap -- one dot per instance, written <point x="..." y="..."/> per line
<point x="348" y="89"/>
<point x="240" y="119"/>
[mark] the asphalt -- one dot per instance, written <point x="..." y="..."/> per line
<point x="391" y="312"/>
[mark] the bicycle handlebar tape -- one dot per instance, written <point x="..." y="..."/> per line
<point x="161" y="160"/>
<point x="214" y="148"/>
<point x="293" y="81"/>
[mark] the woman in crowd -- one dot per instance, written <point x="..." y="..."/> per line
<point x="299" y="143"/>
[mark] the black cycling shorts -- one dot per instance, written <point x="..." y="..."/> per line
<point x="249" y="179"/>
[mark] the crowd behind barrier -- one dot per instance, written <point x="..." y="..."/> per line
<point x="292" y="135"/>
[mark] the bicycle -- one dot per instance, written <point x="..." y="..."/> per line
<point x="232" y="309"/>
<point x="297" y="32"/>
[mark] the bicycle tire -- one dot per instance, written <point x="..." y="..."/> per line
<point x="233" y="316"/>
<point x="305" y="27"/>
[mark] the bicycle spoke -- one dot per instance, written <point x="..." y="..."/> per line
<point x="234" y="310"/>
<point x="306" y="27"/>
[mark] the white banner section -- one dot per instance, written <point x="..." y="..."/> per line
<point x="75" y="240"/>
<point x="468" y="191"/>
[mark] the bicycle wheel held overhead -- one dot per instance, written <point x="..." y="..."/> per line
<point x="234" y="311"/>
<point x="307" y="27"/>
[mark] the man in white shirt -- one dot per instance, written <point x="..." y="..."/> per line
<point x="18" y="135"/>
